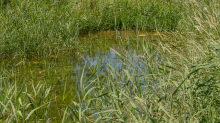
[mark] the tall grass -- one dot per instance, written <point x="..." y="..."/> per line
<point x="177" y="81"/>
<point x="34" y="28"/>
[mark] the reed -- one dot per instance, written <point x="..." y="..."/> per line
<point x="176" y="78"/>
<point x="32" y="28"/>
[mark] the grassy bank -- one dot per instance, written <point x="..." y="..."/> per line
<point x="38" y="27"/>
<point x="177" y="81"/>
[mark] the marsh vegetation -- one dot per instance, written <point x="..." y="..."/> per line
<point x="109" y="61"/>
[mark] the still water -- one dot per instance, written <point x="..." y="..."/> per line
<point x="92" y="57"/>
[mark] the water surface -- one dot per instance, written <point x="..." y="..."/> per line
<point x="98" y="51"/>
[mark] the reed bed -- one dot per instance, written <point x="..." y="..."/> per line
<point x="177" y="81"/>
<point x="34" y="28"/>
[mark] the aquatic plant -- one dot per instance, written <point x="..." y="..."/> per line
<point x="171" y="77"/>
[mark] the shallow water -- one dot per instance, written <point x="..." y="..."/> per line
<point x="99" y="50"/>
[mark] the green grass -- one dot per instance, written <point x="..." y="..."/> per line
<point x="181" y="85"/>
<point x="37" y="27"/>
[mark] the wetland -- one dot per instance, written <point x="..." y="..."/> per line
<point x="109" y="61"/>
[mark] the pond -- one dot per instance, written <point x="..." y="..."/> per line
<point x="93" y="58"/>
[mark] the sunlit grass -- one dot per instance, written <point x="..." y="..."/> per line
<point x="36" y="28"/>
<point x="176" y="78"/>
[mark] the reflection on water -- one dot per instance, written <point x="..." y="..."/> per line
<point x="64" y="72"/>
